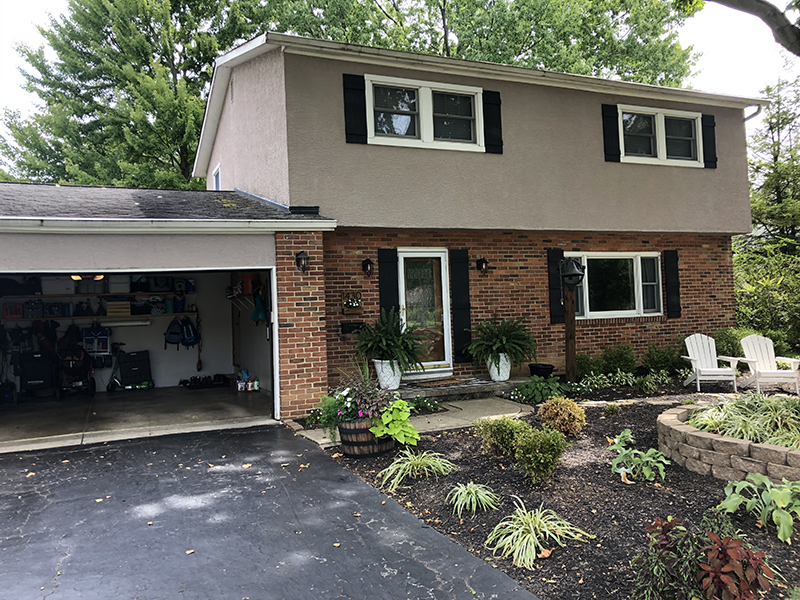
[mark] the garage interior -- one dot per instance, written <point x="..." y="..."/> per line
<point x="193" y="388"/>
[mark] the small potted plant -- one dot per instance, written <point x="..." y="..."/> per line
<point x="501" y="343"/>
<point x="367" y="418"/>
<point x="393" y="348"/>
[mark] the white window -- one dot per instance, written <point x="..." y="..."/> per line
<point x="423" y="114"/>
<point x="618" y="284"/>
<point x="217" y="178"/>
<point x="656" y="136"/>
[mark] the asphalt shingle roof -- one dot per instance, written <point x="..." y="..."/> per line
<point x="81" y="202"/>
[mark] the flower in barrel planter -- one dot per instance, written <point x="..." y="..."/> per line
<point x="367" y="418"/>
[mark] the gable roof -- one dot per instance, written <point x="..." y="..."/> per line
<point x="292" y="44"/>
<point x="67" y="207"/>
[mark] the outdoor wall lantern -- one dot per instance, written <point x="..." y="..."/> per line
<point x="483" y="265"/>
<point x="571" y="275"/>
<point x="368" y="267"/>
<point x="303" y="261"/>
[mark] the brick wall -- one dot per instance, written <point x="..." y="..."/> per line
<point x="301" y="323"/>
<point x="517" y="285"/>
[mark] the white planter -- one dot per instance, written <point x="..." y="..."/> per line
<point x="388" y="372"/>
<point x="501" y="370"/>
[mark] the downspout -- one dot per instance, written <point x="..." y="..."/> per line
<point x="759" y="107"/>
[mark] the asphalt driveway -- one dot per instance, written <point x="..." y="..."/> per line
<point x="239" y="514"/>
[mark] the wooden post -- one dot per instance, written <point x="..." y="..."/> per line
<point x="569" y="333"/>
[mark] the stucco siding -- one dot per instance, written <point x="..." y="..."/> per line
<point x="551" y="176"/>
<point x="250" y="145"/>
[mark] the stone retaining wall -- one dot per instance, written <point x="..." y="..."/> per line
<point x="724" y="458"/>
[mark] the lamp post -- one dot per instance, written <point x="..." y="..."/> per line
<point x="571" y="275"/>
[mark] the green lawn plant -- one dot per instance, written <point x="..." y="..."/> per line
<point x="394" y="422"/>
<point x="595" y="381"/>
<point x="388" y="339"/>
<point x="633" y="464"/>
<point x="611" y="409"/>
<point x="664" y="358"/>
<point x="562" y="414"/>
<point x="527" y="535"/>
<point x="619" y="357"/>
<point x="538" y="390"/>
<point x="496" y="336"/>
<point x="587" y="364"/>
<point x="409" y="464"/>
<point x="621" y="378"/>
<point x="497" y="435"/>
<point x="471" y="497"/>
<point x="773" y="502"/>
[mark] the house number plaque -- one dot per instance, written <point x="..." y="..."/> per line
<point x="351" y="303"/>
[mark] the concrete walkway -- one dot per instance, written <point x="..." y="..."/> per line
<point x="457" y="414"/>
<point x="252" y="514"/>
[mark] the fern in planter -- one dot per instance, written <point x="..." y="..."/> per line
<point x="496" y="336"/>
<point x="387" y="339"/>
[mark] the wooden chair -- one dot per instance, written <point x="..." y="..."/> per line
<point x="702" y="351"/>
<point x="763" y="363"/>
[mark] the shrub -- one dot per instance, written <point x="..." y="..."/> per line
<point x="619" y="357"/>
<point x="662" y="358"/>
<point x="471" y="497"/>
<point x="538" y="451"/>
<point x="611" y="409"/>
<point x="562" y="414"/>
<point x="538" y="389"/>
<point x="524" y="534"/>
<point x="586" y="365"/>
<point x="729" y="341"/>
<point x="410" y="464"/>
<point x="497" y="435"/>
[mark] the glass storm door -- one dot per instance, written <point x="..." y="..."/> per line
<point x="425" y="304"/>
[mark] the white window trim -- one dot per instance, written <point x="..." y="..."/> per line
<point x="432" y="369"/>
<point x="637" y="276"/>
<point x="661" y="138"/>
<point x="425" y="91"/>
<point x="215" y="177"/>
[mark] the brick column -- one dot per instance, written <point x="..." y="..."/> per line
<point x="301" y="324"/>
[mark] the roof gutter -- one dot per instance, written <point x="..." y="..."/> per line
<point x="160" y="226"/>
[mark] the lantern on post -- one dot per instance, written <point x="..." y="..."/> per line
<point x="572" y="272"/>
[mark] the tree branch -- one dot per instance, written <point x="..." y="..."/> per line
<point x="783" y="30"/>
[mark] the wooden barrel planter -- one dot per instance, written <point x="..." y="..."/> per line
<point x="359" y="442"/>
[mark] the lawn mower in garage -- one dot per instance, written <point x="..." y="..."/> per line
<point x="75" y="374"/>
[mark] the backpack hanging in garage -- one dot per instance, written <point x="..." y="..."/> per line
<point x="189" y="334"/>
<point x="174" y="334"/>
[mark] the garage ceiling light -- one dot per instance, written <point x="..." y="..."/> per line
<point x="87" y="277"/>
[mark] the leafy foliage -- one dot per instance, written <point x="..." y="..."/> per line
<point x="494" y="337"/>
<point x="394" y="422"/>
<point x="733" y="571"/>
<point x="538" y="451"/>
<point x="664" y="358"/>
<point x="410" y="464"/>
<point x="595" y="381"/>
<point x="497" y="435"/>
<point x="619" y="357"/>
<point x="586" y="365"/>
<point x="538" y="389"/>
<point x="424" y="404"/>
<point x="754" y="417"/>
<point x="388" y="339"/>
<point x="631" y="463"/>
<point x="562" y="414"/>
<point x="524" y="535"/>
<point x="621" y="379"/>
<point x="649" y="383"/>
<point x="471" y="497"/>
<point x="611" y="408"/>
<point x="770" y="501"/>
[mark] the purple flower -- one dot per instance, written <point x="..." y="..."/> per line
<point x="339" y="413"/>
<point x="360" y="414"/>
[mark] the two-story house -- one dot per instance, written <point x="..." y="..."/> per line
<point x="429" y="165"/>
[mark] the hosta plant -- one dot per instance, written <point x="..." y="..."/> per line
<point x="409" y="464"/>
<point x="526" y="535"/>
<point x="471" y="497"/>
<point x="538" y="389"/>
<point x="773" y="503"/>
<point x="634" y="464"/>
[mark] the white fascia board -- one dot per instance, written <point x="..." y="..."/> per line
<point x="160" y="226"/>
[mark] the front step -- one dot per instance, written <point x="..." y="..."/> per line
<point x="465" y="389"/>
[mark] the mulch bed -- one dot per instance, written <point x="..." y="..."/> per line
<point x="584" y="491"/>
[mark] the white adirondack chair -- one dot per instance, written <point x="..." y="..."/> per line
<point x="703" y="356"/>
<point x="763" y="363"/>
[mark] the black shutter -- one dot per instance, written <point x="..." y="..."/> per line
<point x="709" y="141"/>
<point x="355" y="109"/>
<point x="554" y="258"/>
<point x="673" y="284"/>
<point x="387" y="279"/>
<point x="492" y="123"/>
<point x="611" y="132"/>
<point x="459" y="285"/>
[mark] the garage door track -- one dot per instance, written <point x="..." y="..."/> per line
<point x="239" y="514"/>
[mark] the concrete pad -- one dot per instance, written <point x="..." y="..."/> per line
<point x="458" y="414"/>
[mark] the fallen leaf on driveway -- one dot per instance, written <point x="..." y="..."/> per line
<point x="190" y="552"/>
<point x="149" y="522"/>
<point x="336" y="545"/>
<point x="31" y="474"/>
<point x="99" y="500"/>
<point x="356" y="514"/>
<point x="337" y="455"/>
<point x="246" y="465"/>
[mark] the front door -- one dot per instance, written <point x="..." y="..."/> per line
<point x="425" y="304"/>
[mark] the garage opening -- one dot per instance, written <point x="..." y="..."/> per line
<point x="99" y="352"/>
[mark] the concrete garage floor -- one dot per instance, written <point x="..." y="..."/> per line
<point x="37" y="423"/>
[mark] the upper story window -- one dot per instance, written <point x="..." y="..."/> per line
<point x="619" y="284"/>
<point x="216" y="178"/>
<point x="657" y="136"/>
<point x="407" y="112"/>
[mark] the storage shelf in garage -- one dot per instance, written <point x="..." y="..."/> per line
<point x="126" y="294"/>
<point x="98" y="318"/>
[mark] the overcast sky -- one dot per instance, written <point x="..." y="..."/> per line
<point x="739" y="55"/>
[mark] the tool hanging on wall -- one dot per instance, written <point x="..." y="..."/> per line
<point x="259" y="314"/>
<point x="199" y="343"/>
